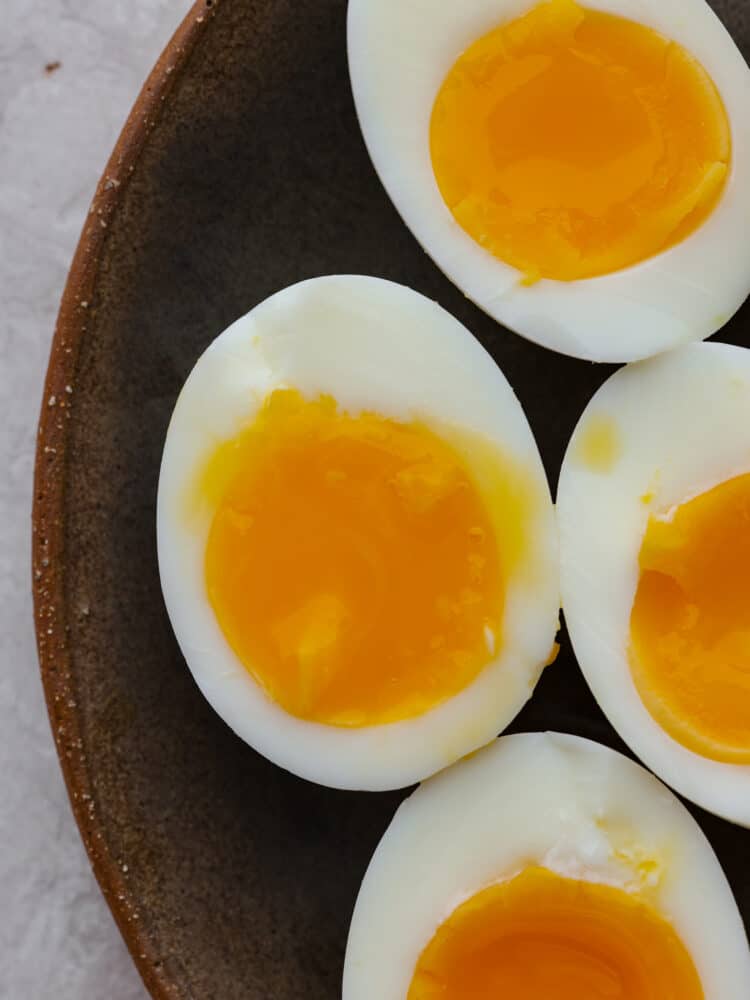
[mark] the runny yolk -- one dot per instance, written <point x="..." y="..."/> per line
<point x="571" y="143"/>
<point x="690" y="622"/>
<point x="543" y="937"/>
<point x="353" y="562"/>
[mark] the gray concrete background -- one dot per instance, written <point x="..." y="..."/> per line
<point x="58" y="124"/>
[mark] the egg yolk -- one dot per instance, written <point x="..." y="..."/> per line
<point x="690" y="622"/>
<point x="353" y="561"/>
<point x="571" y="143"/>
<point x="543" y="937"/>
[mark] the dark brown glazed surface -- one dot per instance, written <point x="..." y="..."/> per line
<point x="241" y="170"/>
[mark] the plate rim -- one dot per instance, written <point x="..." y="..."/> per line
<point x="51" y="615"/>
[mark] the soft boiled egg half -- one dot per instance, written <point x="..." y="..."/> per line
<point x="546" y="867"/>
<point x="580" y="171"/>
<point x="356" y="538"/>
<point x="654" y="515"/>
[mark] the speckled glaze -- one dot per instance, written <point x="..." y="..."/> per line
<point x="241" y="170"/>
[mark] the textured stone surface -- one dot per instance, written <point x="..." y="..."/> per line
<point x="57" y="127"/>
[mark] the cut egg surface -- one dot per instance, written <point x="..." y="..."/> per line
<point x="356" y="538"/>
<point x="545" y="866"/>
<point x="654" y="516"/>
<point x="580" y="171"/>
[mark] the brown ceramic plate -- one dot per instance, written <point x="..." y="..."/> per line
<point x="241" y="170"/>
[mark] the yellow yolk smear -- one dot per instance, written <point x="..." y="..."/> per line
<point x="690" y="622"/>
<point x="599" y="446"/>
<point x="353" y="562"/>
<point x="571" y="143"/>
<point x="544" y="937"/>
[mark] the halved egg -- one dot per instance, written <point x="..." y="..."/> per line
<point x="580" y="171"/>
<point x="654" y="515"/>
<point x="356" y="537"/>
<point x="545" y="866"/>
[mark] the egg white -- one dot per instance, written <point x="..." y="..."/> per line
<point x="565" y="803"/>
<point x="372" y="345"/>
<point x="683" y="424"/>
<point x="399" y="55"/>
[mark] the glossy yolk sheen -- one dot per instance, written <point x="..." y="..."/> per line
<point x="544" y="937"/>
<point x="690" y="623"/>
<point x="353" y="563"/>
<point x="571" y="143"/>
